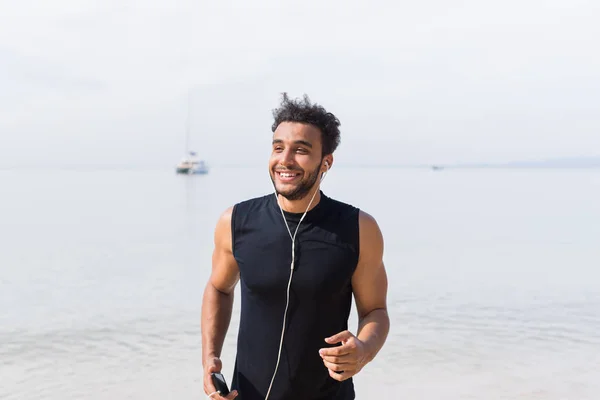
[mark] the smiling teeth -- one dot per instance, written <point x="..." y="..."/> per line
<point x="285" y="175"/>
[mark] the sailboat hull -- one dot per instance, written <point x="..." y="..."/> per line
<point x="191" y="171"/>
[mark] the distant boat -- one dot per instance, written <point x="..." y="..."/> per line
<point x="190" y="164"/>
<point x="437" y="168"/>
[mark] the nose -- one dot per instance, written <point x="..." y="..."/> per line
<point x="287" y="158"/>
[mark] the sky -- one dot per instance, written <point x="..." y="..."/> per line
<point x="108" y="83"/>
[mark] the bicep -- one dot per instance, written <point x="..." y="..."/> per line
<point x="225" y="271"/>
<point x="369" y="282"/>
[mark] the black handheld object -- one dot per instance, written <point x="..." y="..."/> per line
<point x="220" y="384"/>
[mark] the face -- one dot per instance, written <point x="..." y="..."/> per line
<point x="296" y="162"/>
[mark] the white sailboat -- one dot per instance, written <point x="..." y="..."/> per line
<point x="190" y="164"/>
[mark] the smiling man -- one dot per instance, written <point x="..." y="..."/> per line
<point x="299" y="256"/>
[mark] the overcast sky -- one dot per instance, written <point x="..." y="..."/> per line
<point x="435" y="81"/>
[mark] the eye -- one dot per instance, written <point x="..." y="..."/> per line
<point x="302" y="150"/>
<point x="277" y="148"/>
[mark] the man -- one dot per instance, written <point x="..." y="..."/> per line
<point x="299" y="256"/>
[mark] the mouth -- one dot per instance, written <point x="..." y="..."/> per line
<point x="287" y="176"/>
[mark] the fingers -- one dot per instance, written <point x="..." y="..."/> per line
<point x="232" y="395"/>
<point x="339" y="367"/>
<point x="212" y="365"/>
<point x="342" y="361"/>
<point x="209" y="387"/>
<point x="348" y="346"/>
<point x="335" y="353"/>
<point x="215" y="395"/>
<point x="345" y="359"/>
<point x="339" y="337"/>
<point x="342" y="376"/>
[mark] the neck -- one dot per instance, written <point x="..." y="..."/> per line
<point x="299" y="206"/>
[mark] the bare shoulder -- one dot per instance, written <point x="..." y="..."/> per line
<point x="371" y="238"/>
<point x="225" y="271"/>
<point x="226" y="215"/>
<point x="223" y="229"/>
<point x="224" y="221"/>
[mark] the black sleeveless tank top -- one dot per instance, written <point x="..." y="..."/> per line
<point x="327" y="250"/>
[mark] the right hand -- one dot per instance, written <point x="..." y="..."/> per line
<point x="214" y="365"/>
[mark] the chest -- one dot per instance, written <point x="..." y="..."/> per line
<point x="323" y="262"/>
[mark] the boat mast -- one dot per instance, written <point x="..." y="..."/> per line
<point x="187" y="124"/>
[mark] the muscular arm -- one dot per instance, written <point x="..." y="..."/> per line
<point x="370" y="284"/>
<point x="217" y="302"/>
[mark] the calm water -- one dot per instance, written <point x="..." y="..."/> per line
<point x="494" y="281"/>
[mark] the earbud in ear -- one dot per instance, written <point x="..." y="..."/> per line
<point x="323" y="174"/>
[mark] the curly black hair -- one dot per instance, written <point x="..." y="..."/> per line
<point x="304" y="112"/>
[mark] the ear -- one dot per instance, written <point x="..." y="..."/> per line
<point x="327" y="163"/>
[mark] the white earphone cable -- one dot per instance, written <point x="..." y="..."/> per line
<point x="287" y="302"/>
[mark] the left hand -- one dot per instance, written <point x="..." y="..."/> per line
<point x="346" y="360"/>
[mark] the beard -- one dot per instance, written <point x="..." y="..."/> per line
<point x="302" y="188"/>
